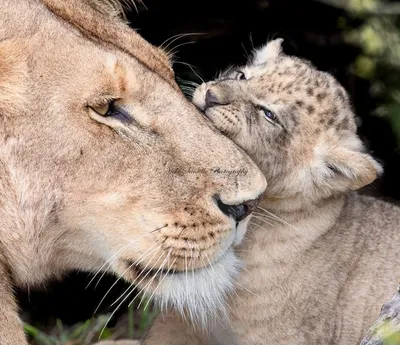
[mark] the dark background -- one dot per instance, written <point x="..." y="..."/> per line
<point x="228" y="30"/>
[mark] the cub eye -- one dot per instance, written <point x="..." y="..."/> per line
<point x="240" y="76"/>
<point x="268" y="114"/>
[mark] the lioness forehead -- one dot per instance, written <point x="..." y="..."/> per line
<point x="67" y="62"/>
<point x="78" y="27"/>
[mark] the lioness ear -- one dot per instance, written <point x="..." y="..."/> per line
<point x="268" y="52"/>
<point x="356" y="169"/>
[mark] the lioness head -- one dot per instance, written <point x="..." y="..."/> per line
<point x="296" y="122"/>
<point x="105" y="165"/>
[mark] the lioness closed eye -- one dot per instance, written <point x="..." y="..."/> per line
<point x="320" y="259"/>
<point x="95" y="141"/>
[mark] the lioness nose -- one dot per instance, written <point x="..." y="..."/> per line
<point x="238" y="212"/>
<point x="211" y="99"/>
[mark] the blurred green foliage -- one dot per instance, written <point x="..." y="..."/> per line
<point x="387" y="333"/>
<point x="81" y="334"/>
<point x="95" y="329"/>
<point x="378" y="37"/>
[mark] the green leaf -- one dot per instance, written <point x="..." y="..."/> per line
<point x="80" y="330"/>
<point x="40" y="337"/>
<point x="31" y="330"/>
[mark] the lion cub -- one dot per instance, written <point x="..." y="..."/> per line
<point x="320" y="260"/>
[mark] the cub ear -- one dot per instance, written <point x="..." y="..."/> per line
<point x="269" y="51"/>
<point x="356" y="169"/>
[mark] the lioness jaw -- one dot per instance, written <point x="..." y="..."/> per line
<point x="105" y="166"/>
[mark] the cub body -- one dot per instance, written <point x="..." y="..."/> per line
<point x="320" y="260"/>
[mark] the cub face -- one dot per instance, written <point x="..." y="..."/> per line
<point x="296" y="122"/>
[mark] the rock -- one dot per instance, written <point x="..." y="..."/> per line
<point x="386" y="330"/>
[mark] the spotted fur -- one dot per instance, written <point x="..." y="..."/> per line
<point x="320" y="260"/>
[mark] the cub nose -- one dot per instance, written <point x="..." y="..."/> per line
<point x="211" y="99"/>
<point x="238" y="212"/>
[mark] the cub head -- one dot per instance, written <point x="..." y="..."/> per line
<point x="296" y="122"/>
<point x="105" y="165"/>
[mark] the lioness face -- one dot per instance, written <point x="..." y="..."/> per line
<point x="112" y="169"/>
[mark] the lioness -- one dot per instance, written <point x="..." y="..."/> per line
<point x="96" y="140"/>
<point x="320" y="260"/>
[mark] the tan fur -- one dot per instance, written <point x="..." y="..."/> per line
<point x="320" y="260"/>
<point x="83" y="191"/>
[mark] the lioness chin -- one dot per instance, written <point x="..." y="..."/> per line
<point x="96" y="138"/>
<point x="320" y="260"/>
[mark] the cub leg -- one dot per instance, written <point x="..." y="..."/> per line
<point x="11" y="327"/>
<point x="171" y="329"/>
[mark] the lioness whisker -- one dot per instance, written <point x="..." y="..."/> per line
<point x="143" y="4"/>
<point x="191" y="260"/>
<point x="273" y="220"/>
<point x="143" y="278"/>
<point x="174" y="50"/>
<point x="146" y="287"/>
<point x="177" y="37"/>
<point x="191" y="255"/>
<point x="211" y="263"/>
<point x="267" y="216"/>
<point x="125" y="298"/>
<point x="278" y="218"/>
<point x="163" y="303"/>
<point x="259" y="226"/>
<point x="121" y="276"/>
<point x="186" y="272"/>
<point x="191" y="67"/>
<point x="113" y="258"/>
<point x="135" y="6"/>
<point x="160" y="282"/>
<point x="158" y="229"/>
<point x="264" y="221"/>
<point x="154" y="251"/>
